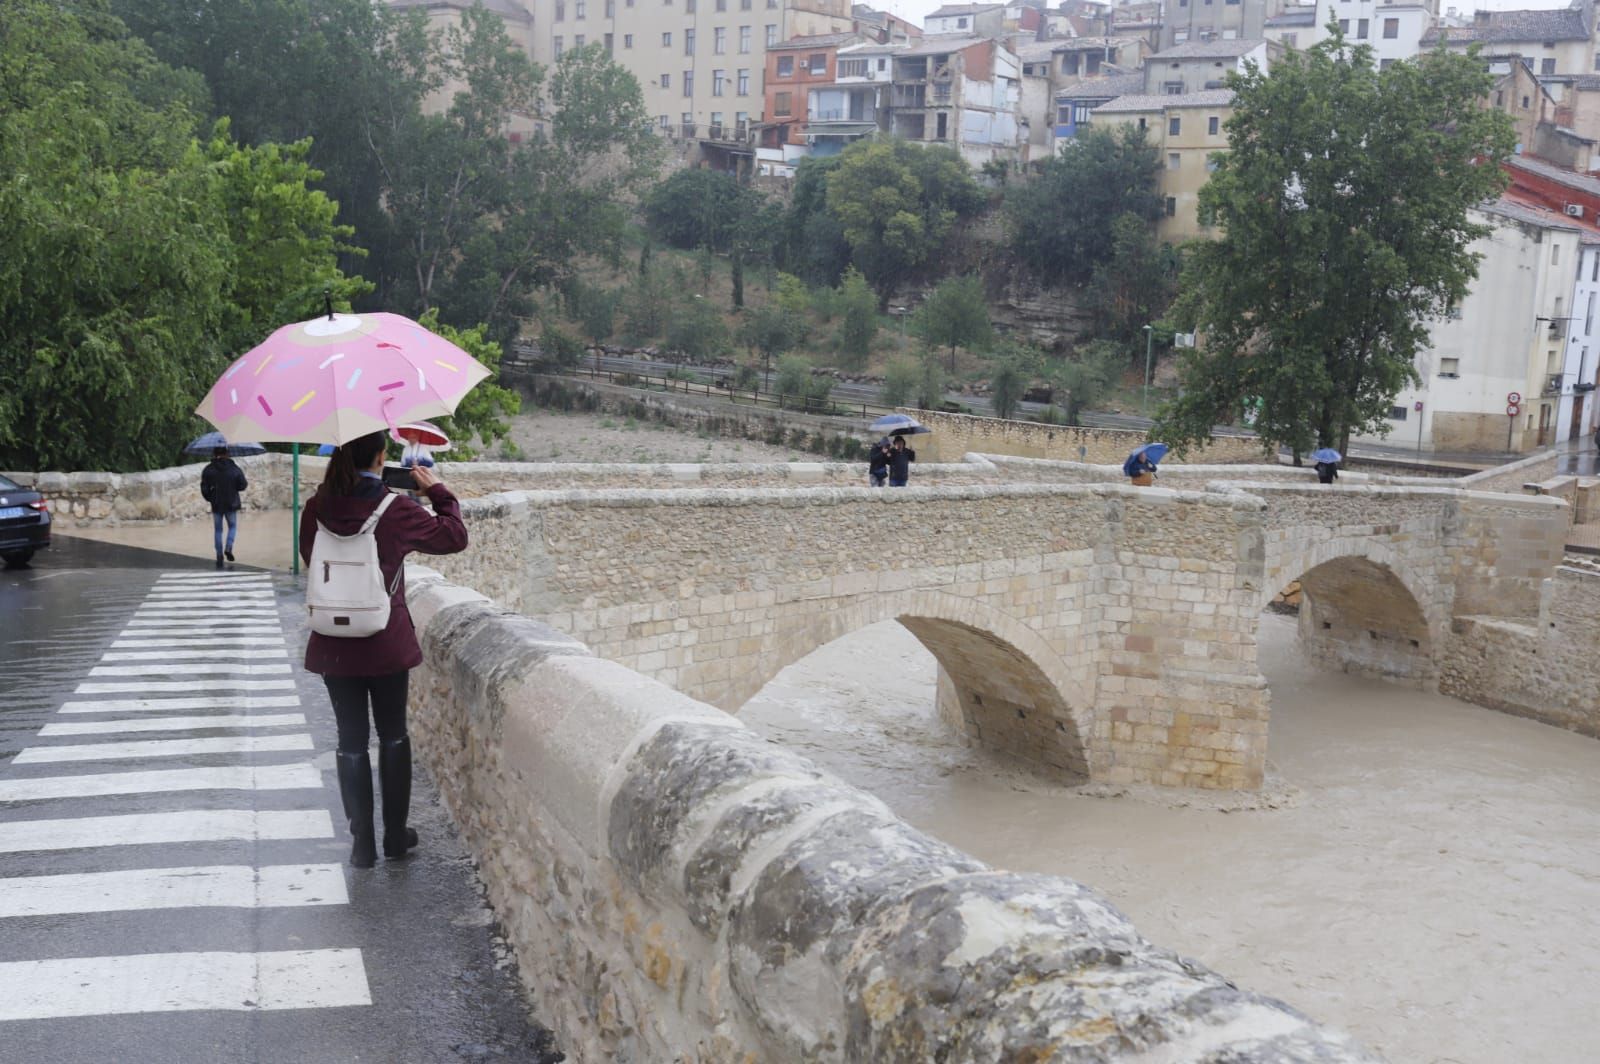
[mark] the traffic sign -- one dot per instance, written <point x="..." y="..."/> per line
<point x="1512" y="409"/>
<point x="1514" y="398"/>
<point x="1418" y="406"/>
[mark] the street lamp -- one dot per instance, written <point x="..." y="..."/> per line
<point x="1149" y="337"/>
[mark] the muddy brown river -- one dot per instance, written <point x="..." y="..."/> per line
<point x="1421" y="872"/>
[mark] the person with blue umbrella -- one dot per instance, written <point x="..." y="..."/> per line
<point x="1327" y="460"/>
<point x="221" y="482"/>
<point x="1141" y="464"/>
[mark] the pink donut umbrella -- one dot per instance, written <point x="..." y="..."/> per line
<point x="338" y="377"/>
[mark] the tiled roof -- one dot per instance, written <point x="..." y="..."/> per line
<point x="939" y="45"/>
<point x="1295" y="16"/>
<point x="1084" y="44"/>
<point x="1531" y="215"/>
<point x="1143" y="102"/>
<point x="1103" y="88"/>
<point x="1555" y="173"/>
<point x="503" y="8"/>
<point x="950" y="10"/>
<point x="820" y="40"/>
<point x="1504" y="26"/>
<point x="1587" y="83"/>
<point x="1209" y="49"/>
<point x="1034" y="51"/>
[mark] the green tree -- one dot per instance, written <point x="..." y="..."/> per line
<point x="648" y="302"/>
<point x="858" y="318"/>
<point x="931" y="382"/>
<point x="1060" y="224"/>
<point x="800" y="387"/>
<point x="693" y="209"/>
<point x="1134" y="286"/>
<point x="897" y="204"/>
<point x="137" y="259"/>
<point x="899" y="382"/>
<point x="594" y="307"/>
<point x="811" y="238"/>
<point x="1344" y="203"/>
<point x="771" y="330"/>
<point x="1081" y="382"/>
<point x="697" y="330"/>
<point x="483" y="412"/>
<point x="955" y="314"/>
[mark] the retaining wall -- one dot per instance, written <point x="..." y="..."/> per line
<point x="678" y="889"/>
<point x="84" y="499"/>
<point x="956" y="434"/>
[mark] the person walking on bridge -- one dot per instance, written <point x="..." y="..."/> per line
<point x="373" y="671"/>
<point x="220" y="485"/>
<point x="900" y="459"/>
<point x="878" y="463"/>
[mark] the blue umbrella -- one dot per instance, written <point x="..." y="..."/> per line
<point x="325" y="450"/>
<point x="899" y="425"/>
<point x="1326" y="454"/>
<point x="212" y="440"/>
<point x="1151" y="452"/>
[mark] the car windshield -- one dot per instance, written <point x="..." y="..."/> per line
<point x="7" y="484"/>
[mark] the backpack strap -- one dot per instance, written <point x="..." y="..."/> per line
<point x="372" y="522"/>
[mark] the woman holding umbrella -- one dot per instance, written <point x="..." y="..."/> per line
<point x="1327" y="460"/>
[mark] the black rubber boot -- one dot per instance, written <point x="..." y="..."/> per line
<point x="394" y="773"/>
<point x="355" y="787"/>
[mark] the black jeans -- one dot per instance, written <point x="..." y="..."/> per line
<point x="351" y="695"/>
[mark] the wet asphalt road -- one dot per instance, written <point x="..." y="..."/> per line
<point x="140" y="950"/>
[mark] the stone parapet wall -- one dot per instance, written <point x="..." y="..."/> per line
<point x="474" y="479"/>
<point x="956" y="434"/>
<point x="1544" y="669"/>
<point x="1512" y="477"/>
<point x="678" y="889"/>
<point x="87" y="499"/>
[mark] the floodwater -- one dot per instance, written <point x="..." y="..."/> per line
<point x="1419" y="871"/>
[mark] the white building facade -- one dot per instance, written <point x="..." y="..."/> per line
<point x="1394" y="31"/>
<point x="1580" y="371"/>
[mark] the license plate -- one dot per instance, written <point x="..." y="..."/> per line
<point x="8" y="512"/>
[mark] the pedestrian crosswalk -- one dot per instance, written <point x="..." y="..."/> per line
<point x="171" y="744"/>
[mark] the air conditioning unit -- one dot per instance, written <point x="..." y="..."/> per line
<point x="1574" y="210"/>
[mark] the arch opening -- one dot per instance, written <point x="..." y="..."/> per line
<point x="1356" y="615"/>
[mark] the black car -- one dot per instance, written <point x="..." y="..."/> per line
<point x="24" y="522"/>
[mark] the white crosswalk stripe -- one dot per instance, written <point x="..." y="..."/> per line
<point x="160" y="781"/>
<point x="231" y="744"/>
<point x="181" y="982"/>
<point x="202" y="652"/>
<point x="148" y="724"/>
<point x="218" y="886"/>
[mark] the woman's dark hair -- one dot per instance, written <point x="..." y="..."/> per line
<point x="344" y="468"/>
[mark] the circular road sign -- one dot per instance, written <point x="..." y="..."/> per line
<point x="1512" y="410"/>
<point x="1514" y="398"/>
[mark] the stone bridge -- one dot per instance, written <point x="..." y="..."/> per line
<point x="1091" y="630"/>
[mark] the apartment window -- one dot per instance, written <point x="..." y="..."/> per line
<point x="686" y="122"/>
<point x="1453" y="312"/>
<point x="744" y="5"/>
<point x="1174" y="160"/>
<point x="627" y="40"/>
<point x="1385" y="64"/>
<point x="716" y="120"/>
<point x="560" y="47"/>
<point x="1174" y="126"/>
<point x="744" y="82"/>
<point x="666" y="39"/>
<point x="611" y="8"/>
<point x="1588" y="316"/>
<point x="744" y="40"/>
<point x="741" y="119"/>
<point x="1547" y="66"/>
<point x="786" y="66"/>
<point x="1290" y="40"/>
<point x="961" y="23"/>
<point x="722" y="5"/>
<point x="1344" y="26"/>
<point x="1213" y="124"/>
<point x="688" y="83"/>
<point x="1524" y="103"/>
<point x="772" y="5"/>
<point x="719" y="40"/>
<point x="819" y="63"/>
<point x="664" y="121"/>
<point x="578" y="41"/>
<point x="719" y="80"/>
<point x="1450" y="367"/>
<point x="579" y="8"/>
<point x="1597" y="61"/>
<point x="852" y="68"/>
<point x="1594" y="270"/>
<point x="1211" y="163"/>
<point x="780" y="103"/>
<point x="772" y="35"/>
<point x="666" y="81"/>
<point x="1555" y="260"/>
<point x="1361" y="29"/>
<point x="1391" y="28"/>
<point x="690" y="6"/>
<point x="1172" y="207"/>
<point x="883" y="64"/>
<point x="688" y="42"/>
<point x="561" y="10"/>
<point x="1398" y="413"/>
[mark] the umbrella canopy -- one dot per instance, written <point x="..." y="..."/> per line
<point x="1326" y="454"/>
<point x="422" y="433"/>
<point x="325" y="450"/>
<point x="212" y="440"/>
<point x="340" y="377"/>
<point x="898" y="425"/>
<point x="1155" y="452"/>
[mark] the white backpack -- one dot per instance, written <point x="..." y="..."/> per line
<point x="345" y="596"/>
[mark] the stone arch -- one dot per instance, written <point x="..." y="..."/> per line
<point x="1364" y="611"/>
<point x="1000" y="682"/>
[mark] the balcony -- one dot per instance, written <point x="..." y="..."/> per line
<point x="910" y="96"/>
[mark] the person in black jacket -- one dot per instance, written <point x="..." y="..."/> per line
<point x="220" y="484"/>
<point x="878" y="463"/>
<point x="900" y="459"/>
<point x="1327" y="472"/>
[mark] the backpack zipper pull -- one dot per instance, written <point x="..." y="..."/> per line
<point x="327" y="571"/>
